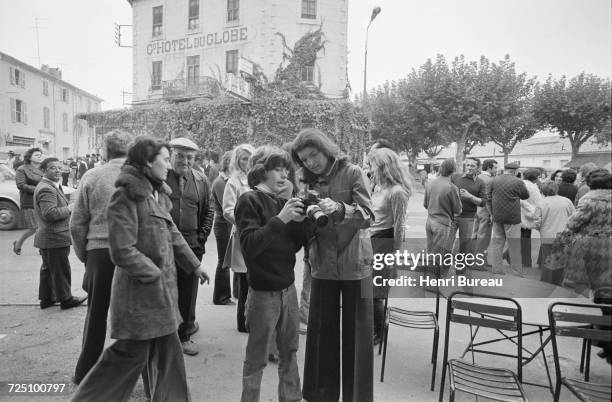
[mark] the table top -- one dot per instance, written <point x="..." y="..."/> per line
<point x="532" y="295"/>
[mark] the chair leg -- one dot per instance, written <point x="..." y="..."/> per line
<point x="582" y="354"/>
<point x="452" y="396"/>
<point x="443" y="377"/>
<point x="384" y="356"/>
<point x="380" y="345"/>
<point x="434" y="360"/>
<point x="587" y="369"/>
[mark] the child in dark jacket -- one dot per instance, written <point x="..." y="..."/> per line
<point x="271" y="233"/>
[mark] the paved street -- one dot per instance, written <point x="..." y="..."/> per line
<point x="43" y="345"/>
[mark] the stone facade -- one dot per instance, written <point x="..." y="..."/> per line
<point x="168" y="35"/>
<point x="39" y="109"/>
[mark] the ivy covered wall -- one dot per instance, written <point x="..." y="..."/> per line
<point x="222" y="123"/>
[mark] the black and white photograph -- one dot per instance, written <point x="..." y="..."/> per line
<point x="305" y="200"/>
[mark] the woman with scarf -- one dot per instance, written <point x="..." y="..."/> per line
<point x="144" y="243"/>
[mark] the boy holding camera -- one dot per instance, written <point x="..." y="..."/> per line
<point x="271" y="233"/>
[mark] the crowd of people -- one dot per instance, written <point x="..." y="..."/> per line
<point x="140" y="222"/>
<point x="496" y="214"/>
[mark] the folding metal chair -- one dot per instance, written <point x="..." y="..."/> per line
<point x="588" y="328"/>
<point x="603" y="295"/>
<point x="413" y="319"/>
<point x="490" y="382"/>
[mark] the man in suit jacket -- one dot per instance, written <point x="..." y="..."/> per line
<point x="52" y="212"/>
<point x="192" y="212"/>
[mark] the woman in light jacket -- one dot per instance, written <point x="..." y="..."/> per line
<point x="144" y="243"/>
<point x="235" y="187"/>
<point x="340" y="256"/>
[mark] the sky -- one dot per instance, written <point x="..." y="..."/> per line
<point x="558" y="37"/>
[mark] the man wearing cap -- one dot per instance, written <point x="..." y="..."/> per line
<point x="505" y="193"/>
<point x="192" y="212"/>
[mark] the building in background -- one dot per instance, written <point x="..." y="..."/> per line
<point x="183" y="48"/>
<point x="545" y="149"/>
<point x="38" y="109"/>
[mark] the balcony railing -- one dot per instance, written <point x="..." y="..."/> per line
<point x="193" y="88"/>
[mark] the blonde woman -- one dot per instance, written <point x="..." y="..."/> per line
<point x="237" y="184"/>
<point x="393" y="186"/>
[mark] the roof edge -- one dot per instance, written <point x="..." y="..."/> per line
<point x="11" y="59"/>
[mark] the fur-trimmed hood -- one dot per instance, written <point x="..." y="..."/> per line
<point x="136" y="184"/>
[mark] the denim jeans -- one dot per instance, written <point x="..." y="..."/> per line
<point x="500" y="234"/>
<point x="269" y="313"/>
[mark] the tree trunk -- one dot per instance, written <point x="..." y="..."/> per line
<point x="506" y="155"/>
<point x="574" y="142"/>
<point x="459" y="152"/>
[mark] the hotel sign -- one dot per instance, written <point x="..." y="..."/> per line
<point x="232" y="35"/>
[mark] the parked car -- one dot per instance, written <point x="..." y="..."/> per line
<point x="9" y="199"/>
<point x="10" y="216"/>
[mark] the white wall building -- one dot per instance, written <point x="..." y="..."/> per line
<point x="177" y="43"/>
<point x="545" y="149"/>
<point x="38" y="109"/>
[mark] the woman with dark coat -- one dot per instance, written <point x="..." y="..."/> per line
<point x="587" y="253"/>
<point x="340" y="257"/>
<point x="144" y="244"/>
<point x="27" y="176"/>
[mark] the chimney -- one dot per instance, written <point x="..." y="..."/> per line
<point x="54" y="71"/>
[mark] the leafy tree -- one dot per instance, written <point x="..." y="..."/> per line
<point x="577" y="110"/>
<point x="508" y="108"/>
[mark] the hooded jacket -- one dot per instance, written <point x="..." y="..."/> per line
<point x="144" y="243"/>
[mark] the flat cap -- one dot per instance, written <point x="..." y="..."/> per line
<point x="183" y="143"/>
<point x="511" y="165"/>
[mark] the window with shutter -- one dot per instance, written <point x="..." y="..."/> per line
<point x="22" y="83"/>
<point x="46" y="119"/>
<point x="156" y="75"/>
<point x="194" y="15"/>
<point x="12" y="75"/>
<point x="13" y="110"/>
<point x="157" y="20"/>
<point x="24" y="112"/>
<point x="193" y="70"/>
<point x="309" y="9"/>
<point x="231" y="61"/>
<point x="232" y="10"/>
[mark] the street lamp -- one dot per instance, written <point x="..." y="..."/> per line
<point x="375" y="12"/>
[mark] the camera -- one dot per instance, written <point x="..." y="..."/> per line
<point x="310" y="199"/>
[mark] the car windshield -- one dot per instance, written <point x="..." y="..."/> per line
<point x="6" y="173"/>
